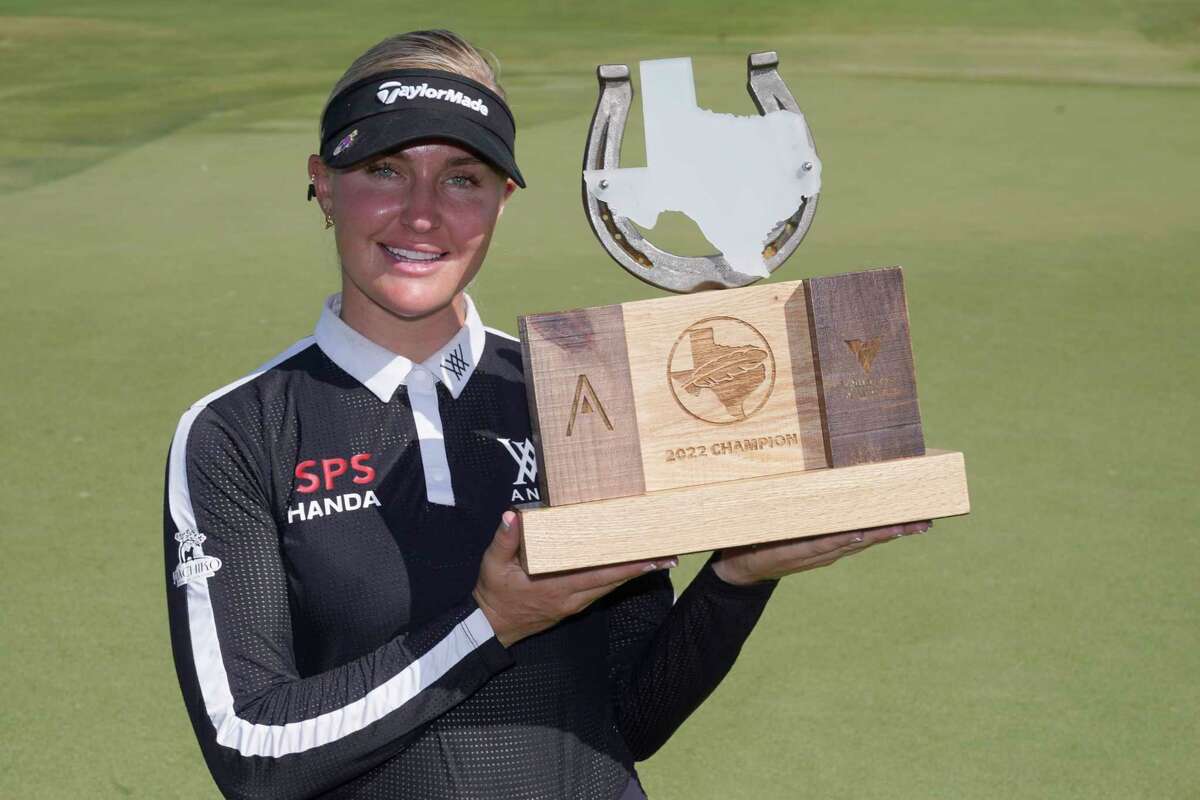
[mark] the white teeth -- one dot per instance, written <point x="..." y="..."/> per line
<point x="412" y="255"/>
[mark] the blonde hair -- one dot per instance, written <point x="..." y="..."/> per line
<point x="435" y="49"/>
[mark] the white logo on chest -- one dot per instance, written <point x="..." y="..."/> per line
<point x="525" y="486"/>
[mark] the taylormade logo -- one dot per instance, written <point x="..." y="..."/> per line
<point x="391" y="91"/>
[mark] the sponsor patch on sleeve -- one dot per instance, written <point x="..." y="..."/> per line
<point x="193" y="564"/>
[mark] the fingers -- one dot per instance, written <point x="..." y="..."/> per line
<point x="856" y="544"/>
<point x="853" y="541"/>
<point x="883" y="534"/>
<point x="589" y="595"/>
<point x="829" y="549"/>
<point x="507" y="539"/>
<point x="861" y="540"/>
<point x="608" y="578"/>
<point x="889" y="532"/>
<point x="825" y="559"/>
<point x="841" y="541"/>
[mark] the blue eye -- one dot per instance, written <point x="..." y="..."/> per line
<point x="463" y="180"/>
<point x="381" y="170"/>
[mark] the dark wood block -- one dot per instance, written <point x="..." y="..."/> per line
<point x="581" y="404"/>
<point x="863" y="357"/>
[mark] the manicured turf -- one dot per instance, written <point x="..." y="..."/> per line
<point x="1034" y="167"/>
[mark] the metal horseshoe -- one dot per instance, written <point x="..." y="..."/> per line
<point x="622" y="239"/>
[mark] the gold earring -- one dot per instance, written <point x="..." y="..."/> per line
<point x="328" y="222"/>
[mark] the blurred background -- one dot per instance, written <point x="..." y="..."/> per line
<point x="1033" y="165"/>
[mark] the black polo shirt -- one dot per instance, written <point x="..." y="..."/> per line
<point x="325" y="519"/>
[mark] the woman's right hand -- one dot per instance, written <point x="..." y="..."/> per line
<point x="517" y="605"/>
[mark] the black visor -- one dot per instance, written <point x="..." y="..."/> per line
<point x="394" y="108"/>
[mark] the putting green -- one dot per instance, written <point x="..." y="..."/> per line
<point x="1033" y="166"/>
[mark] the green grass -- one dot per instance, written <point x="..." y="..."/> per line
<point x="1034" y="166"/>
<point x="82" y="81"/>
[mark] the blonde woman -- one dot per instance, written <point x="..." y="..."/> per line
<point x="347" y="612"/>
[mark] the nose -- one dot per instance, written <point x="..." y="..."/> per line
<point x="420" y="211"/>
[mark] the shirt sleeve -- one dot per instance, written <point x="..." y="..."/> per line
<point x="265" y="730"/>
<point x="666" y="658"/>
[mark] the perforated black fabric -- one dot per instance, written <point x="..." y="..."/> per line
<point x="313" y="615"/>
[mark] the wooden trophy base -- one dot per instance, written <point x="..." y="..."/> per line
<point x="747" y="511"/>
<point x="723" y="418"/>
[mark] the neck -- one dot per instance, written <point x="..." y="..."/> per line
<point x="414" y="338"/>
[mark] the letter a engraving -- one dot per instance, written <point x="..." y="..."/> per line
<point x="586" y="402"/>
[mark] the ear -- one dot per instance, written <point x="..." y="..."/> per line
<point x="322" y="180"/>
<point x="510" y="186"/>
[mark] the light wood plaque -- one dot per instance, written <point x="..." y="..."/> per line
<point x="744" y="511"/>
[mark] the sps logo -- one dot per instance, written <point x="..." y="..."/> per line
<point x="310" y="479"/>
<point x="525" y="488"/>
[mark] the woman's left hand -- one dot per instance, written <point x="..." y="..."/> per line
<point x="742" y="566"/>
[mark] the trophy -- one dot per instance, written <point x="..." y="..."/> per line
<point x="730" y="414"/>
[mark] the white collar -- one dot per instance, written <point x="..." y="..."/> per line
<point x="381" y="370"/>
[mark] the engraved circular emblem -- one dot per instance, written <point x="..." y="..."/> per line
<point x="721" y="370"/>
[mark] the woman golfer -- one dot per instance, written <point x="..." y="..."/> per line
<point x="348" y="615"/>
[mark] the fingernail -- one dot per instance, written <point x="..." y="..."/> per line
<point x="650" y="567"/>
<point x="670" y="563"/>
<point x="858" y="537"/>
<point x="507" y="518"/>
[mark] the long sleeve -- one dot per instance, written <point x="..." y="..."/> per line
<point x="265" y="731"/>
<point x="665" y="659"/>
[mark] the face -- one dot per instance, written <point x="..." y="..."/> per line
<point x="412" y="227"/>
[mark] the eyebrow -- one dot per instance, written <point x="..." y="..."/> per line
<point x="457" y="161"/>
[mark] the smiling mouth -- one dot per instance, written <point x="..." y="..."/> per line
<point x="412" y="256"/>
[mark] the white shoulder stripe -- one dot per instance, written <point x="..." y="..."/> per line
<point x="256" y="739"/>
<point x="502" y="334"/>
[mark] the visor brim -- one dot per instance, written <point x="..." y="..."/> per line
<point x="383" y="133"/>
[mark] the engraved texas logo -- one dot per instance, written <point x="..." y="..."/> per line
<point x="865" y="351"/>
<point x="732" y="370"/>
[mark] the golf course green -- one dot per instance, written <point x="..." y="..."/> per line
<point x="1033" y="166"/>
